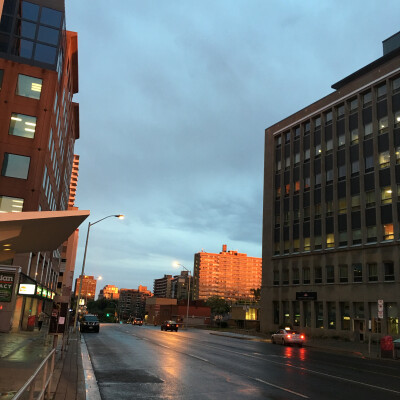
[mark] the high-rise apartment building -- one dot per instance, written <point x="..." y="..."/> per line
<point x="229" y="274"/>
<point x="162" y="287"/>
<point x="132" y="302"/>
<point x="88" y="290"/>
<point x="109" y="292"/>
<point x="331" y="228"/>
<point x="39" y="124"/>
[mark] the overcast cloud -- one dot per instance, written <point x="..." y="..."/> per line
<point x="174" y="100"/>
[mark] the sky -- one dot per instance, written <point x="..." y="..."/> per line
<point x="175" y="96"/>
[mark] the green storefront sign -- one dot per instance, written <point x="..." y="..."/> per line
<point x="6" y="286"/>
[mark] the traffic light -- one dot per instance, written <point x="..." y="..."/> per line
<point x="108" y="314"/>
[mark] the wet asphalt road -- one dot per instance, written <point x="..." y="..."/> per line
<point x="141" y="362"/>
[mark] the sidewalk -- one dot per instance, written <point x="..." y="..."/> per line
<point x="21" y="353"/>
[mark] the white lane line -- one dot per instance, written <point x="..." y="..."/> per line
<point x="92" y="390"/>
<point x="199" y="358"/>
<point x="281" y="388"/>
<point x="163" y="345"/>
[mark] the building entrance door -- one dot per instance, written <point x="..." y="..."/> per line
<point x="359" y="330"/>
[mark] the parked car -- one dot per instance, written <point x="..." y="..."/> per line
<point x="89" y="323"/>
<point x="137" y="321"/>
<point x="169" y="326"/>
<point x="288" y="336"/>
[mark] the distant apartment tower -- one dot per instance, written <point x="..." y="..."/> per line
<point x="109" y="292"/>
<point x="162" y="287"/>
<point x="229" y="274"/>
<point x="39" y="127"/>
<point x="132" y="302"/>
<point x="331" y="232"/>
<point x="88" y="291"/>
<point x="180" y="285"/>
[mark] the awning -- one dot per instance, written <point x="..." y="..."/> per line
<point x="34" y="231"/>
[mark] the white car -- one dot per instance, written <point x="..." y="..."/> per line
<point x="288" y="336"/>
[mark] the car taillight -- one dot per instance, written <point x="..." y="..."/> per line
<point x="302" y="337"/>
<point x="167" y="324"/>
<point x="289" y="336"/>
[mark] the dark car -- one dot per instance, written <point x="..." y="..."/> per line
<point x="137" y="321"/>
<point x="169" y="326"/>
<point x="89" y="323"/>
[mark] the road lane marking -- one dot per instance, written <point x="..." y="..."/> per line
<point x="92" y="390"/>
<point x="163" y="345"/>
<point x="199" y="358"/>
<point x="281" y="388"/>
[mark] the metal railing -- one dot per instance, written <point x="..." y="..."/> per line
<point x="36" y="388"/>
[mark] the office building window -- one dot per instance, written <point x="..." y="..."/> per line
<point x="328" y="118"/>
<point x="296" y="158"/>
<point x="11" y="204"/>
<point x="287" y="161"/>
<point x="306" y="275"/>
<point x="318" y="179"/>
<point x="306" y="154"/>
<point x="22" y="125"/>
<point x="317" y="122"/>
<point x="369" y="163"/>
<point x="296" y="186"/>
<point x="296" y="276"/>
<point x="357" y="272"/>
<point x="342" y="172"/>
<point x="370" y="198"/>
<point x="396" y="85"/>
<point x="371" y="234"/>
<point x="355" y="167"/>
<point x="28" y="86"/>
<point x="367" y="99"/>
<point x="307" y="245"/>
<point x="317" y="242"/>
<point x="342" y="205"/>
<point x="354" y="135"/>
<point x="287" y="137"/>
<point x="389" y="271"/>
<point x="357" y="238"/>
<point x="368" y="129"/>
<point x="297" y="132"/>
<point x="276" y="249"/>
<point x="278" y="139"/>
<point x="381" y="92"/>
<point x="296" y="245"/>
<point x="330" y="274"/>
<point x="343" y="273"/>
<point x="353" y="105"/>
<point x="15" y="166"/>
<point x="355" y="202"/>
<point x="329" y="144"/>
<point x="317" y="149"/>
<point x="372" y="272"/>
<point x="306" y="213"/>
<point x="384" y="159"/>
<point x="329" y="208"/>
<point x="285" y="277"/>
<point x="330" y="240"/>
<point x="276" y="277"/>
<point x="383" y="124"/>
<point x="278" y="165"/>
<point x="340" y="112"/>
<point x="329" y="175"/>
<point x="319" y="314"/>
<point x="396" y="118"/>
<point x="345" y="316"/>
<point x="386" y="195"/>
<point x="343" y="238"/>
<point x="318" y="274"/>
<point x="388" y="232"/>
<point x="331" y="307"/>
<point x="307" y="183"/>
<point x="341" y="139"/>
<point x="286" y="246"/>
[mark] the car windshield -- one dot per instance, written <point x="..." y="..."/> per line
<point x="91" y="318"/>
<point x="292" y="332"/>
<point x="171" y="322"/>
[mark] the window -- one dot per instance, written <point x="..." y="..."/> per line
<point x="386" y="195"/>
<point x="297" y="132"/>
<point x="276" y="249"/>
<point x="381" y="92"/>
<point x="328" y="118"/>
<point x="357" y="272"/>
<point x="278" y="140"/>
<point x="1" y="77"/>
<point x="355" y="202"/>
<point x="317" y="275"/>
<point x="372" y="272"/>
<point x="396" y="85"/>
<point x="306" y="154"/>
<point x="286" y="246"/>
<point x="15" y="166"/>
<point x="306" y="213"/>
<point x="343" y="238"/>
<point x="278" y="192"/>
<point x="22" y="125"/>
<point x="354" y="135"/>
<point x="287" y="137"/>
<point x="330" y="240"/>
<point x="340" y="112"/>
<point x="51" y="17"/>
<point x="285" y="277"/>
<point x="287" y="189"/>
<point x="317" y="122"/>
<point x="368" y="129"/>
<point x="306" y="275"/>
<point x="357" y="238"/>
<point x="307" y="182"/>
<point x="329" y="143"/>
<point x="389" y="271"/>
<point x="28" y="86"/>
<point x="396" y="117"/>
<point x="369" y="163"/>
<point x="278" y="165"/>
<point x="355" y="166"/>
<point x="341" y="139"/>
<point x="383" y="124"/>
<point x="307" y="127"/>
<point x="318" y="179"/>
<point x="384" y="159"/>
<point x="371" y="234"/>
<point x="296" y="245"/>
<point x="342" y="205"/>
<point x="388" y="232"/>
<point x="353" y="105"/>
<point x="296" y="158"/>
<point x="307" y="245"/>
<point x="317" y="150"/>
<point x="329" y="208"/>
<point x="317" y="242"/>
<point x="367" y="99"/>
<point x="329" y="175"/>
<point x="370" y="198"/>
<point x="343" y="273"/>
<point x="330" y="274"/>
<point x="317" y="210"/>
<point x="296" y="276"/>
<point x="11" y="204"/>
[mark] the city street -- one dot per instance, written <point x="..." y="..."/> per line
<point x="143" y="362"/>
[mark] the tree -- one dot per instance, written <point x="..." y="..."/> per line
<point x="218" y="305"/>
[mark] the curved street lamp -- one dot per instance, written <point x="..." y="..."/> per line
<point x="188" y="295"/>
<point x="120" y="216"/>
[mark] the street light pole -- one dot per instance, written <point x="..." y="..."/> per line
<point x="188" y="296"/>
<point x="120" y="216"/>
